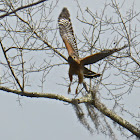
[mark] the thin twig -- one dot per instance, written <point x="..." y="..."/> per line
<point x="22" y="7"/>
<point x="10" y="67"/>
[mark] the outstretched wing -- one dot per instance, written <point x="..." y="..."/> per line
<point x="66" y="32"/>
<point x="99" y="56"/>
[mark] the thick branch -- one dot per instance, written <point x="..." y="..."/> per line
<point x="22" y="7"/>
<point x="47" y="95"/>
<point x="102" y="108"/>
<point x="37" y="95"/>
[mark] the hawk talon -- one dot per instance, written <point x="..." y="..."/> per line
<point x="76" y="92"/>
<point x="69" y="89"/>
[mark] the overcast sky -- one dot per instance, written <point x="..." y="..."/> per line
<point x="45" y="119"/>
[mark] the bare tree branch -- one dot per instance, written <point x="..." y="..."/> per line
<point x="10" y="67"/>
<point x="22" y="7"/>
<point x="101" y="107"/>
<point x="87" y="99"/>
<point x="32" y="48"/>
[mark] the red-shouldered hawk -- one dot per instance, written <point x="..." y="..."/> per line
<point x="77" y="64"/>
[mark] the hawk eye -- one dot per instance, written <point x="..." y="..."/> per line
<point x="74" y="57"/>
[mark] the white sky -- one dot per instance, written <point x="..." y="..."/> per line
<point x="45" y="119"/>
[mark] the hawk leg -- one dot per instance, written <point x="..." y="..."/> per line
<point x="69" y="89"/>
<point x="76" y="92"/>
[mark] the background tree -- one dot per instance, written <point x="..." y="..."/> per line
<point x="33" y="56"/>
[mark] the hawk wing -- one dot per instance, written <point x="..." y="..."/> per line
<point x="90" y="74"/>
<point x="66" y="32"/>
<point x="99" y="56"/>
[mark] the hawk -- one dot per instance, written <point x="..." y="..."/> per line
<point x="77" y="64"/>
